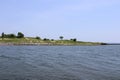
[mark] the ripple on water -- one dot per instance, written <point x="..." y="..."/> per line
<point x="60" y="63"/>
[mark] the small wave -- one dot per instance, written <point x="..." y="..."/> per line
<point x="8" y="57"/>
<point x="18" y="79"/>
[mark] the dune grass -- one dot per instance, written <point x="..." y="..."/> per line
<point x="31" y="40"/>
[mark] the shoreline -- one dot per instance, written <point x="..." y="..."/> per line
<point x="39" y="42"/>
<point x="45" y="44"/>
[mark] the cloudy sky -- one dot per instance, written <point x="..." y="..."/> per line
<point x="86" y="20"/>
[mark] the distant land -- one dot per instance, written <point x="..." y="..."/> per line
<point x="112" y="43"/>
<point x="34" y="41"/>
<point x="19" y="39"/>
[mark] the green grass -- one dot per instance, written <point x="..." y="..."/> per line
<point x="31" y="40"/>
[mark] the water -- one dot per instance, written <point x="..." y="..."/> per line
<point x="60" y="62"/>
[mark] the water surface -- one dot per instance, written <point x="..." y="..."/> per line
<point x="60" y="62"/>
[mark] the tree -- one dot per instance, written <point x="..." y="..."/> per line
<point x="20" y="35"/>
<point x="8" y="35"/>
<point x="38" y="37"/>
<point x="11" y="36"/>
<point x="74" y="39"/>
<point x="61" y="37"/>
<point x="44" y="39"/>
<point x="3" y="35"/>
<point x="52" y="39"/>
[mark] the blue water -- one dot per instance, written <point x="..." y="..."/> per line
<point x="60" y="62"/>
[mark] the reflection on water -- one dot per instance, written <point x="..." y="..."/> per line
<point x="60" y="62"/>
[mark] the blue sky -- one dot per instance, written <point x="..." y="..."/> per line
<point x="86" y="20"/>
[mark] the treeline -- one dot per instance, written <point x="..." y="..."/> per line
<point x="19" y="35"/>
<point x="74" y="39"/>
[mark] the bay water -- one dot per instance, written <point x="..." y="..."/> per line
<point x="60" y="62"/>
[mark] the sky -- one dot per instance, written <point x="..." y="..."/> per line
<point x="86" y="20"/>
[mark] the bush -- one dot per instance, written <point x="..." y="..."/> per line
<point x="38" y="37"/>
<point x="61" y="37"/>
<point x="11" y="36"/>
<point x="8" y="35"/>
<point x="45" y="39"/>
<point x="20" y="35"/>
<point x="52" y="39"/>
<point x="75" y="40"/>
<point x="3" y="35"/>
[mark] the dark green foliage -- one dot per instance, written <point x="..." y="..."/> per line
<point x="103" y="43"/>
<point x="20" y="35"/>
<point x="52" y="39"/>
<point x="61" y="37"/>
<point x="3" y="35"/>
<point x="45" y="39"/>
<point x="74" y="39"/>
<point x="38" y="37"/>
<point x="8" y="35"/>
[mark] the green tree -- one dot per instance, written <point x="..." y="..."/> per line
<point x="3" y="35"/>
<point x="74" y="39"/>
<point x="61" y="37"/>
<point x="45" y="39"/>
<point x="20" y="35"/>
<point x="11" y="36"/>
<point x="38" y="37"/>
<point x="52" y="39"/>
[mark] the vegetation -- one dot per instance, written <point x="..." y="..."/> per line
<point x="20" y="35"/>
<point x="19" y="39"/>
<point x="61" y="37"/>
<point x="38" y="37"/>
<point x="52" y="39"/>
<point x="74" y="39"/>
<point x="3" y="35"/>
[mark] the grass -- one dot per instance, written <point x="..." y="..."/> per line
<point x="31" y="40"/>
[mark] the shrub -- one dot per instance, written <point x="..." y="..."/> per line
<point x="38" y="37"/>
<point x="20" y="35"/>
